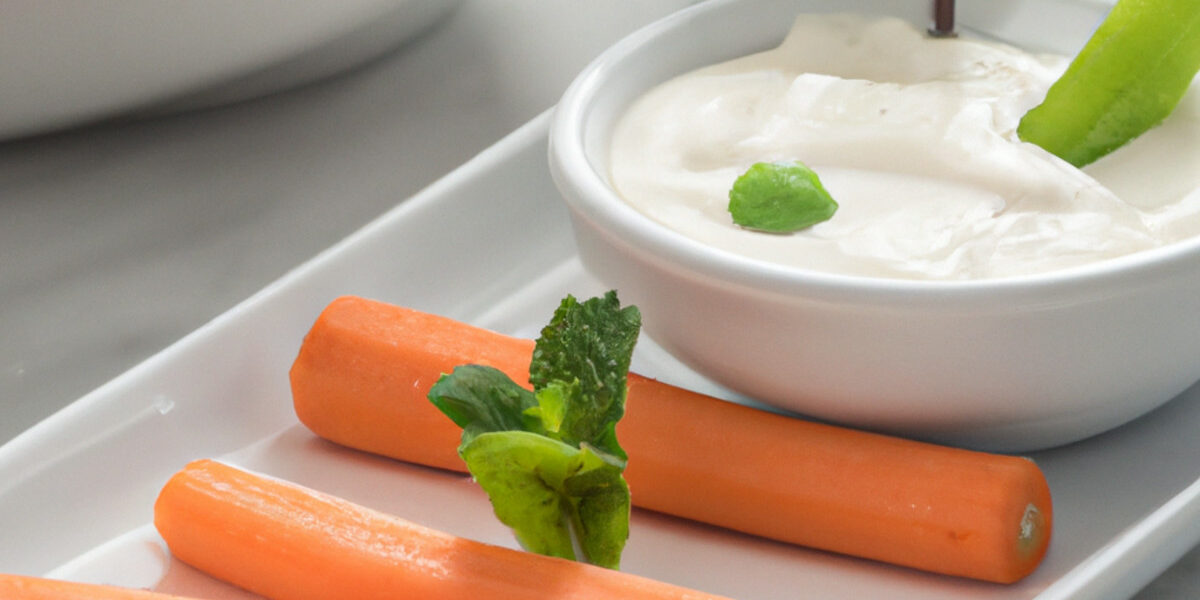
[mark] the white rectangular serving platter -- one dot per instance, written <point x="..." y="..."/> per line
<point x="491" y="244"/>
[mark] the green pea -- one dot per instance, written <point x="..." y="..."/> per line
<point x="779" y="198"/>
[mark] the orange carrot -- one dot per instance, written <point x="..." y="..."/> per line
<point x="287" y="542"/>
<point x="364" y="369"/>
<point x="20" y="587"/>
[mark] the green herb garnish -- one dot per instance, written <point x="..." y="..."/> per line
<point x="549" y="459"/>
<point x="1127" y="78"/>
<point x="779" y="198"/>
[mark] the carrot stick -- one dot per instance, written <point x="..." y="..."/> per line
<point x="21" y="587"/>
<point x="287" y="542"/>
<point x="364" y="369"/>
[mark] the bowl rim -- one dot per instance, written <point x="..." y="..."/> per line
<point x="589" y="196"/>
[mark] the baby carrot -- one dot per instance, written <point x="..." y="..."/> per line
<point x="365" y="367"/>
<point x="287" y="542"/>
<point x="20" y="587"/>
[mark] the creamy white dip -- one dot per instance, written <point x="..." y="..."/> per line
<point x="916" y="140"/>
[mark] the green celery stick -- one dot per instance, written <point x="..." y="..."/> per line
<point x="1127" y="78"/>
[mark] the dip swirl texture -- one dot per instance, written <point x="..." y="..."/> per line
<point x="916" y="139"/>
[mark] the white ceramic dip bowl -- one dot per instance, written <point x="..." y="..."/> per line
<point x="1011" y="364"/>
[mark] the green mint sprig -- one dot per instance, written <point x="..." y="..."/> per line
<point x="549" y="459"/>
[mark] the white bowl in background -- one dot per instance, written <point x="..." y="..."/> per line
<point x="64" y="63"/>
<point x="1009" y="364"/>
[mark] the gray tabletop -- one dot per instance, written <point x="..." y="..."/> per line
<point x="118" y="238"/>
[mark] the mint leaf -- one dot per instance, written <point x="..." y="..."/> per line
<point x="602" y="508"/>
<point x="523" y="474"/>
<point x="549" y="459"/>
<point x="590" y="343"/>
<point x="779" y="198"/>
<point x="480" y="399"/>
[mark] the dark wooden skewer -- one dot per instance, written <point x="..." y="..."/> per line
<point x="943" y="19"/>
